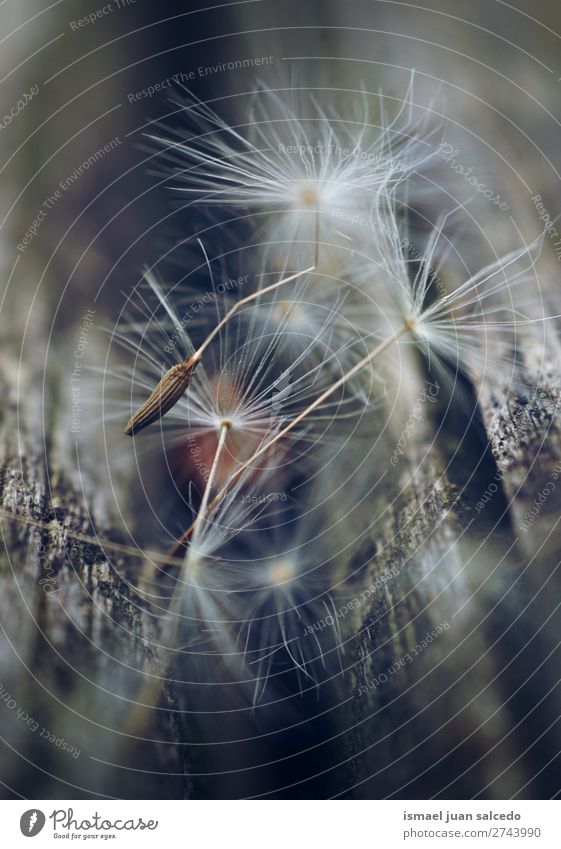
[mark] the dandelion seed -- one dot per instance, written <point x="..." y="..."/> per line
<point x="446" y="327"/>
<point x="267" y="603"/>
<point x="200" y="622"/>
<point x="201" y="594"/>
<point x="241" y="378"/>
<point x="289" y="593"/>
<point x="310" y="170"/>
<point x="176" y="380"/>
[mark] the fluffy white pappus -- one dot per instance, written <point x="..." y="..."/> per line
<point x="269" y="604"/>
<point x="482" y="327"/>
<point x="201" y="619"/>
<point x="321" y="318"/>
<point x="247" y="379"/>
<point x="294" y="628"/>
<point x="478" y="327"/>
<point x="294" y="161"/>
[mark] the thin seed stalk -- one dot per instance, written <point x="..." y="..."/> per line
<point x="203" y="509"/>
<point x="150" y="690"/>
<point x="316" y="403"/>
<point x="242" y="302"/>
<point x="316" y="257"/>
<point x="408" y="325"/>
<point x="88" y="539"/>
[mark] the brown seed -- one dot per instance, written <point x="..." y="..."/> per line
<point x="166" y="394"/>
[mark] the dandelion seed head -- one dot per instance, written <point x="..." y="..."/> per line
<point x="255" y="376"/>
<point x="304" y="170"/>
<point x="308" y="195"/>
<point x="281" y="571"/>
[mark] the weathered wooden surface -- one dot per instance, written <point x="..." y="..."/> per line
<point x="75" y="639"/>
<point x="474" y="713"/>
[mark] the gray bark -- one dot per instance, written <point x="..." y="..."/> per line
<point x="76" y="640"/>
<point x="476" y="712"/>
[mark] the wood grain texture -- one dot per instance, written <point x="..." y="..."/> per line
<point x="75" y="639"/>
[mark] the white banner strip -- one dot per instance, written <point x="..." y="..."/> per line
<point x="282" y="824"/>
